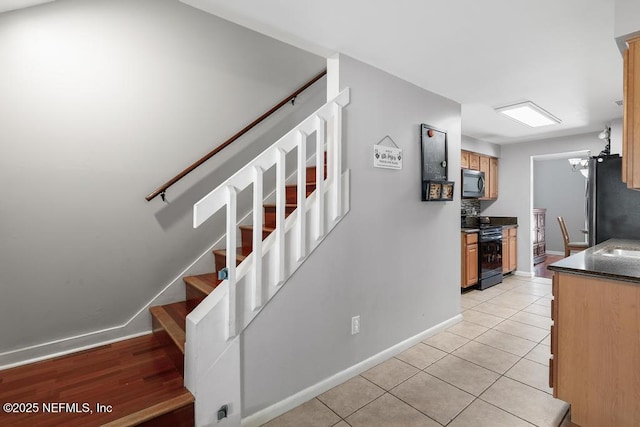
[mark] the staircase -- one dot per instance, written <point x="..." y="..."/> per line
<point x="169" y="321"/>
<point x="188" y="371"/>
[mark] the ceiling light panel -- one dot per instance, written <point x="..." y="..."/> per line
<point x="529" y="114"/>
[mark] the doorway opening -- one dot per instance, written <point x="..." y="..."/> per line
<point x="559" y="190"/>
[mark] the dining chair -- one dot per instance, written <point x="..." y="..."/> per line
<point x="569" y="245"/>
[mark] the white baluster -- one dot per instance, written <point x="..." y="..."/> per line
<point x="258" y="224"/>
<point x="302" y="195"/>
<point x="321" y="139"/>
<point x="337" y="161"/>
<point x="280" y="211"/>
<point x="232" y="214"/>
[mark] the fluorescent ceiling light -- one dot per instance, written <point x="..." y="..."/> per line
<point x="529" y="114"/>
<point x="7" y="5"/>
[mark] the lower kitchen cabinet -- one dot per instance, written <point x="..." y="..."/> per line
<point x="469" y="245"/>
<point x="509" y="249"/>
<point x="595" y="348"/>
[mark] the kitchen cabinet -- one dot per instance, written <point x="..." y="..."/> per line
<point x="474" y="161"/>
<point x="486" y="164"/>
<point x="464" y="160"/>
<point x="469" y="248"/>
<point x="489" y="165"/>
<point x="484" y="167"/>
<point x="631" y="115"/>
<point x="493" y="178"/>
<point x="538" y="222"/>
<point x="509" y="249"/>
<point x="513" y="249"/>
<point x="595" y="347"/>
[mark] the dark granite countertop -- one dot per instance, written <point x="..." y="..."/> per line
<point x="615" y="259"/>
<point x="503" y="220"/>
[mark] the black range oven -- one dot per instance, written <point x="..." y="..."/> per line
<point x="489" y="256"/>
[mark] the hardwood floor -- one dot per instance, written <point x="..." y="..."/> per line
<point x="98" y="386"/>
<point x="540" y="270"/>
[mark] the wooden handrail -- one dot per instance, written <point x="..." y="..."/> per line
<point x="163" y="188"/>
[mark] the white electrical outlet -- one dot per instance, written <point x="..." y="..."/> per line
<point x="355" y="325"/>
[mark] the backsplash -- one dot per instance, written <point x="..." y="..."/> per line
<point x="470" y="206"/>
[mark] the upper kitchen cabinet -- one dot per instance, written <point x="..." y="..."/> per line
<point x="486" y="164"/>
<point x="474" y="161"/>
<point x="631" y="115"/>
<point x="493" y="178"/>
<point x="464" y="159"/>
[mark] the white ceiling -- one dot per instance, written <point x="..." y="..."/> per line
<point x="483" y="54"/>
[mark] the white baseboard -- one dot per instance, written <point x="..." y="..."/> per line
<point x="63" y="347"/>
<point x="524" y="273"/>
<point x="555" y="253"/>
<point x="277" y="409"/>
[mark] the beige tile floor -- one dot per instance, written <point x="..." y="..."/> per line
<point x="490" y="370"/>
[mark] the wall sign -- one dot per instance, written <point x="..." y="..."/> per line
<point x="385" y="156"/>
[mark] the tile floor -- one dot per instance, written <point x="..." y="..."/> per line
<point x="489" y="370"/>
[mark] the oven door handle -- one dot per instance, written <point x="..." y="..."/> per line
<point x="490" y="239"/>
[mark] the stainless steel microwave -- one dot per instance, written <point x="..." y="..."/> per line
<point x="472" y="184"/>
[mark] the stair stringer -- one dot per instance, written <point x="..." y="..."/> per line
<point x="212" y="359"/>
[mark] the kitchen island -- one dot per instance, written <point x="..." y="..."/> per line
<point x="595" y="337"/>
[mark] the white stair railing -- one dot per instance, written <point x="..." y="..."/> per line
<point x="212" y="344"/>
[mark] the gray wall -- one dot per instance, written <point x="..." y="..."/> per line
<point x="393" y="260"/>
<point x="479" y="146"/>
<point x="101" y="101"/>
<point x="516" y="185"/>
<point x="562" y="192"/>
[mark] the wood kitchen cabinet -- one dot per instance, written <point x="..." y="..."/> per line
<point x="469" y="249"/>
<point x="464" y="159"/>
<point x="509" y="249"/>
<point x="493" y="178"/>
<point x="474" y="161"/>
<point x="486" y="164"/>
<point x="484" y="167"/>
<point x="595" y="347"/>
<point x="489" y="165"/>
<point x="631" y="115"/>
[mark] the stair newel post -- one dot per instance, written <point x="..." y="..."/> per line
<point x="258" y="222"/>
<point x="280" y="215"/>
<point x="336" y="160"/>
<point x="302" y="195"/>
<point x="321" y="139"/>
<point x="232" y="214"/>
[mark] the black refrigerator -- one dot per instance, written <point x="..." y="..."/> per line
<point x="613" y="210"/>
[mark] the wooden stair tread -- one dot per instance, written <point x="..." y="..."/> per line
<point x="273" y="205"/>
<point x="250" y="227"/>
<point x="223" y="252"/>
<point x="130" y="375"/>
<point x="205" y="283"/>
<point x="308" y="184"/>
<point x="152" y="412"/>
<point x="173" y="317"/>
